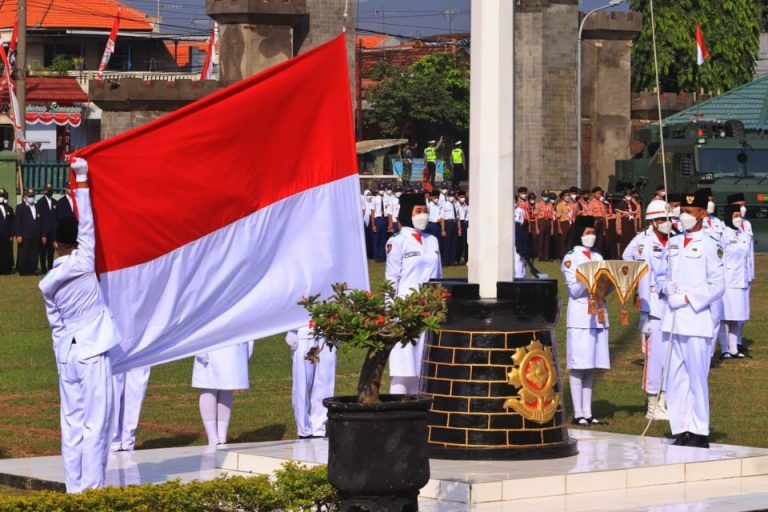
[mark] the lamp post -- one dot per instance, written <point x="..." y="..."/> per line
<point x="612" y="3"/>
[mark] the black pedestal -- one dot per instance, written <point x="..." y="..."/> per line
<point x="494" y="377"/>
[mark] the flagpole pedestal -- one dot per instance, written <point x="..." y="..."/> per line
<point x="493" y="375"/>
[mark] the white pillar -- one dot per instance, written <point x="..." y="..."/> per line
<point x="491" y="236"/>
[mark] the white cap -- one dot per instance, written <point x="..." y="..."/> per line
<point x="431" y="142"/>
<point x="658" y="209"/>
<point x="457" y="143"/>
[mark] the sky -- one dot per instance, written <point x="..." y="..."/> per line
<point x="410" y="18"/>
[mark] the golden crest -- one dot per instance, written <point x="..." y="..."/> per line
<point x="690" y="199"/>
<point x="534" y="375"/>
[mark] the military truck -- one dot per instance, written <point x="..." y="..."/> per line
<point x="700" y="154"/>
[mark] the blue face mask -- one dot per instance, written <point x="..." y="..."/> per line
<point x="546" y="199"/>
<point x="30" y="201"/>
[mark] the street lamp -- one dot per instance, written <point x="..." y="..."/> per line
<point x="612" y="3"/>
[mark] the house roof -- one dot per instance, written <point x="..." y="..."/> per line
<point x="82" y="14"/>
<point x="182" y="50"/>
<point x="748" y="103"/>
<point x="46" y="89"/>
<point x="376" y="41"/>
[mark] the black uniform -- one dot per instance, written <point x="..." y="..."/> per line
<point x="6" y="239"/>
<point x="29" y="227"/>
<point x="46" y="206"/>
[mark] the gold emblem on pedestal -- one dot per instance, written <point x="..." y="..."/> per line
<point x="534" y="375"/>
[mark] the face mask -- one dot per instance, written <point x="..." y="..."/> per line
<point x="573" y="197"/>
<point x="664" y="228"/>
<point x="381" y="192"/>
<point x="688" y="221"/>
<point x="462" y="199"/>
<point x="444" y="190"/>
<point x="743" y="211"/>
<point x="627" y="198"/>
<point x="368" y="198"/>
<point x="546" y="199"/>
<point x="521" y="196"/>
<point x="398" y="194"/>
<point x="30" y="201"/>
<point x="588" y="241"/>
<point x="676" y="211"/>
<point x="662" y="193"/>
<point x="602" y="199"/>
<point x="451" y="199"/>
<point x="434" y="201"/>
<point x="710" y="207"/>
<point x="389" y="192"/>
<point x="2" y="200"/>
<point x="532" y="201"/>
<point x="420" y="221"/>
<point x="737" y="222"/>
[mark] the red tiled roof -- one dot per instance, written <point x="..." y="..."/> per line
<point x="84" y="14"/>
<point x="183" y="50"/>
<point x="45" y="89"/>
<point x="370" y="41"/>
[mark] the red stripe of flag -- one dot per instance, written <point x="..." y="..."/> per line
<point x="702" y="53"/>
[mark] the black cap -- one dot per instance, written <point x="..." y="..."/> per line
<point x="698" y="199"/>
<point x="407" y="202"/>
<point x="522" y="190"/>
<point x="597" y="189"/>
<point x="739" y="196"/>
<point x="674" y="197"/>
<point x="574" y="190"/>
<point x="708" y="191"/>
<point x="581" y="223"/>
<point x="66" y="231"/>
<point x="30" y="192"/>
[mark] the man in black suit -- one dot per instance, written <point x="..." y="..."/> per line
<point x="46" y="206"/>
<point x="65" y="207"/>
<point x="6" y="234"/>
<point x="28" y="231"/>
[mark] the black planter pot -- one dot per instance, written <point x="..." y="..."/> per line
<point x="377" y="454"/>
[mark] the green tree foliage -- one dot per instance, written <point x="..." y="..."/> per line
<point x="433" y="92"/>
<point x="731" y="30"/>
<point x="61" y="64"/>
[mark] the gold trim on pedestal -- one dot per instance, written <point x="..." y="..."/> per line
<point x="534" y="374"/>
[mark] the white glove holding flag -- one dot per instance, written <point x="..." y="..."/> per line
<point x="292" y="339"/>
<point x="670" y="288"/>
<point x="677" y="301"/>
<point x="80" y="167"/>
<point x="644" y="326"/>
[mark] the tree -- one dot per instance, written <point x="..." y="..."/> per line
<point x="61" y="64"/>
<point x="731" y="29"/>
<point x="432" y="93"/>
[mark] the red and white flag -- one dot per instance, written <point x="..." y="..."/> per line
<point x="13" y="111"/>
<point x="701" y="47"/>
<point x="110" y="48"/>
<point x="213" y="221"/>
<point x="13" y="43"/>
<point x="213" y="47"/>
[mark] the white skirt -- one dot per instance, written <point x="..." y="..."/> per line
<point x="587" y="348"/>
<point x="227" y="368"/>
<point x="736" y="304"/>
<point x="406" y="361"/>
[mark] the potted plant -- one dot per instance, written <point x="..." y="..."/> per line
<point x="377" y="451"/>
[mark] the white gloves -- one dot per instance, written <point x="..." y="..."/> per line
<point x="670" y="288"/>
<point x="80" y="167"/>
<point x="676" y="301"/>
<point x="292" y="339"/>
<point x="644" y="326"/>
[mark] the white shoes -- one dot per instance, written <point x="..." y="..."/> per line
<point x="657" y="409"/>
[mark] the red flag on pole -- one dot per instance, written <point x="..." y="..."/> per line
<point x="213" y="46"/>
<point x="12" y="44"/>
<point x="702" y="53"/>
<point x="14" y="103"/>
<point x="110" y="48"/>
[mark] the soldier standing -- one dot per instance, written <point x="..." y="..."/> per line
<point x="28" y="231"/>
<point x="6" y="234"/>
<point x="47" y="208"/>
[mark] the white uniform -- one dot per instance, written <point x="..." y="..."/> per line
<point x="647" y="246"/>
<point x="413" y="258"/>
<point x="128" y="390"/>
<point x="83" y="333"/>
<point x="713" y="227"/>
<point x="696" y="270"/>
<point x="224" y="368"/>
<point x="586" y="336"/>
<point x="736" y="247"/>
<point x="312" y="382"/>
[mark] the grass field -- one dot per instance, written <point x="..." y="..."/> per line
<point x="29" y="421"/>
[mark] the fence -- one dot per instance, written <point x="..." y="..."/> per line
<point x="36" y="175"/>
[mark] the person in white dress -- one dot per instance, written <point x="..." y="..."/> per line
<point x="746" y="233"/>
<point x="737" y="245"/>
<point x="219" y="373"/>
<point x="314" y="379"/>
<point x="413" y="258"/>
<point x="586" y="332"/>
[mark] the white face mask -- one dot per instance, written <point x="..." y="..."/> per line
<point x="602" y="198"/>
<point x="664" y="228"/>
<point x="381" y="192"/>
<point x="573" y="197"/>
<point x="522" y="196"/>
<point x="398" y="194"/>
<point x="420" y="221"/>
<point x="588" y="241"/>
<point x="676" y="211"/>
<point x="710" y="207"/>
<point x="743" y="211"/>
<point x="368" y="198"/>
<point x="389" y="192"/>
<point x="627" y="198"/>
<point x="451" y="199"/>
<point x="737" y="222"/>
<point x="462" y="199"/>
<point x="444" y="190"/>
<point x="688" y="221"/>
<point x="662" y="193"/>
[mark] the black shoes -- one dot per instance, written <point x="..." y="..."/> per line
<point x="691" y="439"/>
<point x="737" y="355"/>
<point x="587" y="422"/>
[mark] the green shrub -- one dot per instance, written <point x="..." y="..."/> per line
<point x="292" y="488"/>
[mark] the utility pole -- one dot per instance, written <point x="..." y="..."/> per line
<point x="21" y="66"/>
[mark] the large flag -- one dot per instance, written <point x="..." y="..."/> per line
<point x="214" y="220"/>
<point x="213" y="46"/>
<point x="701" y="47"/>
<point x="110" y="48"/>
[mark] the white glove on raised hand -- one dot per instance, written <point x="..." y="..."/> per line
<point x="80" y="166"/>
<point x="670" y="288"/>
<point x="292" y="339"/>
<point x="676" y="301"/>
<point x="644" y="326"/>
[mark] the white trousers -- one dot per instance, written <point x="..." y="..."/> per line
<point x="655" y="350"/>
<point x="128" y="390"/>
<point x="687" y="388"/>
<point x="86" y="416"/>
<point x="311" y="384"/>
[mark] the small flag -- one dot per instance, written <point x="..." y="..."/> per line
<point x="14" y="103"/>
<point x="12" y="44"/>
<point x="701" y="47"/>
<point x="110" y="48"/>
<point x="213" y="46"/>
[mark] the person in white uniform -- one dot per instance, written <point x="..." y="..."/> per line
<point x="746" y="233"/>
<point x="83" y="333"/>
<point x="736" y="246"/>
<point x="646" y="246"/>
<point x="691" y="276"/>
<point x="314" y="379"/>
<point x="586" y="333"/>
<point x="128" y="390"/>
<point x="413" y="258"/>
<point x="219" y="373"/>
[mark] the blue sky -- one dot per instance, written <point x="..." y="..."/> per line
<point x="409" y="18"/>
